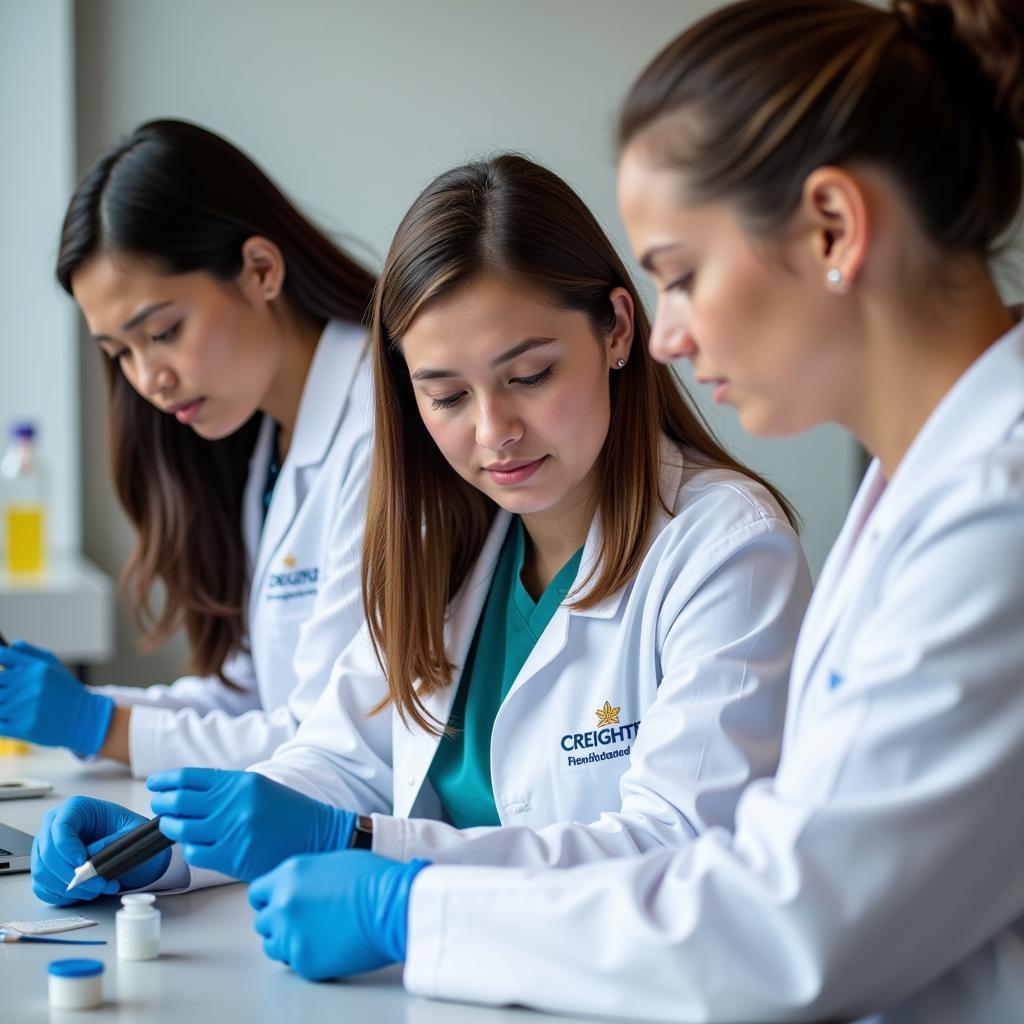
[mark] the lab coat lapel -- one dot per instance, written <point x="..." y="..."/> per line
<point x="324" y="397"/>
<point x="845" y="567"/>
<point x="252" y="502"/>
<point x="982" y="406"/>
<point x="555" y="636"/>
<point x="414" y="748"/>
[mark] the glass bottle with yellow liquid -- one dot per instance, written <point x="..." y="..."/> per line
<point x="24" y="519"/>
<point x="24" y="513"/>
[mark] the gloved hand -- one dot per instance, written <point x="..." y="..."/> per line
<point x="70" y="834"/>
<point x="41" y="701"/>
<point x="335" y="914"/>
<point x="242" y="823"/>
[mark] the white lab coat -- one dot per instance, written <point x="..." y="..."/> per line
<point x="696" y="650"/>
<point x="883" y="868"/>
<point x="304" y="602"/>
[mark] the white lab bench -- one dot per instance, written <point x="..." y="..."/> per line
<point x="211" y="968"/>
<point x="68" y="609"/>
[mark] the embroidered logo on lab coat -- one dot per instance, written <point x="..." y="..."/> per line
<point x="291" y="582"/>
<point x="618" y="739"/>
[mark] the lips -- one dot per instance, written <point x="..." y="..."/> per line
<point x="720" y="385"/>
<point x="507" y="467"/>
<point x="186" y="412"/>
<point x="515" y="471"/>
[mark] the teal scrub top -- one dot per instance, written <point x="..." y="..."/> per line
<point x="509" y="627"/>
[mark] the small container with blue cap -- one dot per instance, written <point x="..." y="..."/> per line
<point x="76" y="984"/>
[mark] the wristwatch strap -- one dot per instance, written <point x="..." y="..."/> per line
<point x="362" y="833"/>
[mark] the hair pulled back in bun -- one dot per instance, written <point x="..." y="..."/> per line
<point x="755" y="96"/>
<point x="988" y="33"/>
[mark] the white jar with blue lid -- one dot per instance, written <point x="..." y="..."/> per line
<point x="76" y="984"/>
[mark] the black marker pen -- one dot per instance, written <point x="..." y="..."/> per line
<point x="123" y="854"/>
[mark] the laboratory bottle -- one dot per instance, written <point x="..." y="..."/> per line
<point x="137" y="925"/>
<point x="22" y="498"/>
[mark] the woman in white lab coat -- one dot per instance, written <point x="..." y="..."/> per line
<point x="584" y="608"/>
<point x="815" y="187"/>
<point x="240" y="419"/>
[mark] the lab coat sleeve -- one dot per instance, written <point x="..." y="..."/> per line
<point x="726" y="631"/>
<point x="886" y="851"/>
<point x="341" y="753"/>
<point x="202" y="693"/>
<point x="204" y="723"/>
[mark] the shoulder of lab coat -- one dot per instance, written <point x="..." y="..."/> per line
<point x="200" y="721"/>
<point x="881" y="868"/>
<point x="713" y="612"/>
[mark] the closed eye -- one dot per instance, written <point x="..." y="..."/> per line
<point x="167" y="335"/>
<point x="535" y="379"/>
<point x="681" y="284"/>
<point x="446" y="403"/>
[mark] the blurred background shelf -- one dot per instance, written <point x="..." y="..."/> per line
<point x="68" y="609"/>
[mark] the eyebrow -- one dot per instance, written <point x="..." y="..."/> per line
<point x="138" y="318"/>
<point x="506" y="357"/>
<point x="647" y="261"/>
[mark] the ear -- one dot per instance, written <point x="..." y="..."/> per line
<point x="262" y="275"/>
<point x="835" y="205"/>
<point x="619" y="340"/>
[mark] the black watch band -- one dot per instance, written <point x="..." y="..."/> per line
<point x="362" y="833"/>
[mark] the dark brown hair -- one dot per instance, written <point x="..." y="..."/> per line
<point x="757" y="95"/>
<point x="185" y="200"/>
<point x="426" y="525"/>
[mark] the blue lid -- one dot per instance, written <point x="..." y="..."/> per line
<point x="76" y="968"/>
<point x="23" y="429"/>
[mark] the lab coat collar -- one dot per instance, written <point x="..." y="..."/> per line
<point x="321" y="409"/>
<point x="465" y="609"/>
<point x="330" y="378"/>
<point x="671" y="463"/>
<point x="463" y="616"/>
<point x="980" y="408"/>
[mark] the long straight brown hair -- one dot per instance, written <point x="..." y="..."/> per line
<point x="426" y="526"/>
<point x="183" y="199"/>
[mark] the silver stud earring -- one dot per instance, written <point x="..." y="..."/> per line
<point x="835" y="279"/>
<point x="621" y="363"/>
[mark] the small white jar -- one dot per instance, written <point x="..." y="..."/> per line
<point x="75" y="984"/>
<point x="137" y="924"/>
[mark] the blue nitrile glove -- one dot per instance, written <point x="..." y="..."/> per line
<point x="242" y="823"/>
<point x="334" y="914"/>
<point x="41" y="701"/>
<point x="69" y="835"/>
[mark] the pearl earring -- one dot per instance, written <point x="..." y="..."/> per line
<point x="621" y="363"/>
<point x="835" y="279"/>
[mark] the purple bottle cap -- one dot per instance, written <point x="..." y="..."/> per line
<point x="23" y="430"/>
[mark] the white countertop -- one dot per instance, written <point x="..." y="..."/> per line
<point x="211" y="968"/>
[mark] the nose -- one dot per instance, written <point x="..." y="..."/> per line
<point x="498" y="425"/>
<point x="670" y="336"/>
<point x="153" y="376"/>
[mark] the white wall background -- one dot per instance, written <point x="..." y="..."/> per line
<point x="39" y="341"/>
<point x="353" y="107"/>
